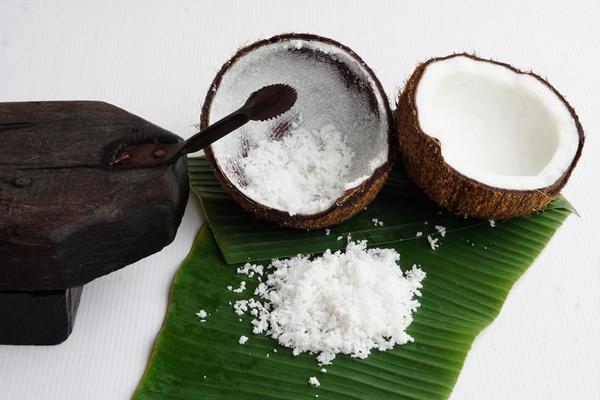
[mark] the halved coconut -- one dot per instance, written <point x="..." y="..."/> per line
<point x="322" y="161"/>
<point x="484" y="139"/>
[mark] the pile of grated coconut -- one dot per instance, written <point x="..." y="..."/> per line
<point x="344" y="302"/>
<point x="303" y="172"/>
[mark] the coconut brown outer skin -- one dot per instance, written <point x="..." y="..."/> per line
<point x="354" y="199"/>
<point x="446" y="186"/>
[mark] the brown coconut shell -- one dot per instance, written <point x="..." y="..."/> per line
<point x="449" y="188"/>
<point x="354" y="199"/>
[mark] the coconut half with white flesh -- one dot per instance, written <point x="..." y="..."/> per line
<point x="484" y="139"/>
<point x="318" y="163"/>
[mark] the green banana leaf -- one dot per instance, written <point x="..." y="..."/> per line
<point x="468" y="279"/>
<point x="402" y="208"/>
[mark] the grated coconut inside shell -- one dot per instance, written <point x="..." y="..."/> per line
<point x="344" y="302"/>
<point x="303" y="172"/>
<point x="332" y="140"/>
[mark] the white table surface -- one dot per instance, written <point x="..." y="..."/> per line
<point x="156" y="59"/>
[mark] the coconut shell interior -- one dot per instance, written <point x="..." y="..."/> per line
<point x="334" y="87"/>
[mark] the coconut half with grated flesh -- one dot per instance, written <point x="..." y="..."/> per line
<point x="484" y="139"/>
<point x="318" y="163"/>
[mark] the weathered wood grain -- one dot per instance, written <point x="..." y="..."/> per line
<point x="66" y="217"/>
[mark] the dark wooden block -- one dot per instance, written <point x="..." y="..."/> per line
<point x="42" y="317"/>
<point x="66" y="216"/>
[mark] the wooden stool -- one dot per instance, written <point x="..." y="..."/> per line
<point x="67" y="217"/>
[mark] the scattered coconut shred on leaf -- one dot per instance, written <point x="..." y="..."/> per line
<point x="343" y="302"/>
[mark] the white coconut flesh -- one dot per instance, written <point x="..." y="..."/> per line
<point x="494" y="125"/>
<point x="332" y="140"/>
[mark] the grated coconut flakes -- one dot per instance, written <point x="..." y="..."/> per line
<point x="313" y="381"/>
<point x="311" y="170"/>
<point x="344" y="302"/>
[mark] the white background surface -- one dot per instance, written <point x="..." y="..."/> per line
<point x="156" y="59"/>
